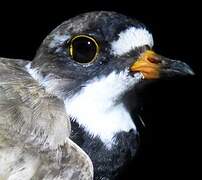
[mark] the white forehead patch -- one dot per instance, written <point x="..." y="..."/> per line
<point x="130" y="39"/>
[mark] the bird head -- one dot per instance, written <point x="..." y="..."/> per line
<point x="95" y="45"/>
<point x="91" y="61"/>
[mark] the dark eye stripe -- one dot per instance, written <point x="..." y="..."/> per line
<point x="83" y="49"/>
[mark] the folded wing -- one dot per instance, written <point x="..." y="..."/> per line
<point x="34" y="130"/>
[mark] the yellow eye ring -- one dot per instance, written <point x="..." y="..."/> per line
<point x="83" y="49"/>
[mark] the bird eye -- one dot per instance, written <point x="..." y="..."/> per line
<point x="83" y="49"/>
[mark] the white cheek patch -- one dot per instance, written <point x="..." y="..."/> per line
<point x="130" y="39"/>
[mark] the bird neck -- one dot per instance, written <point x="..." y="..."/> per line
<point x="107" y="163"/>
<point x="104" y="124"/>
<point x="96" y="109"/>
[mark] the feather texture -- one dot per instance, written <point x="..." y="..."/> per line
<point x="34" y="130"/>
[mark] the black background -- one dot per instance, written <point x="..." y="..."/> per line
<point x="171" y="109"/>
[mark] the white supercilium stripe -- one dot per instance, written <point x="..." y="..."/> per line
<point x="130" y="39"/>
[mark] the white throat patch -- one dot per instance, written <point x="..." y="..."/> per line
<point x="130" y="39"/>
<point x="95" y="108"/>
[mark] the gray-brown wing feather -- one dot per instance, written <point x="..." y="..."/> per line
<point x="34" y="130"/>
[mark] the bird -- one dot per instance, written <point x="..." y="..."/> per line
<point x="63" y="114"/>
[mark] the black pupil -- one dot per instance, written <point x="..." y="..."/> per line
<point x="83" y="49"/>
